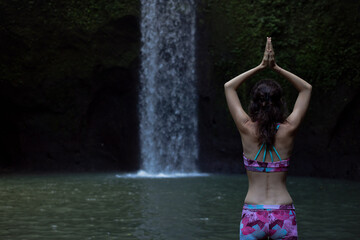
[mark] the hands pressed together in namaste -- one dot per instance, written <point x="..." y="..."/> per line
<point x="269" y="56"/>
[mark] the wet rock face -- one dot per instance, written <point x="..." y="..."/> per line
<point x="78" y="122"/>
<point x="109" y="135"/>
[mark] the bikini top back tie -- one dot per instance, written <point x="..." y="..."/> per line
<point x="279" y="166"/>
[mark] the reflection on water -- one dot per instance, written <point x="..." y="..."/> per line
<point x="110" y="206"/>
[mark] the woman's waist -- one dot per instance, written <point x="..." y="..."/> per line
<point x="269" y="197"/>
<point x="267" y="187"/>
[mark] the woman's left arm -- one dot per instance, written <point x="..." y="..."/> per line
<point x="237" y="112"/>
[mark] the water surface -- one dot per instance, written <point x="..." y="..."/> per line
<point x="109" y="206"/>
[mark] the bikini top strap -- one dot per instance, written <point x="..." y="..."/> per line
<point x="272" y="159"/>
<point x="277" y="153"/>
<point x="277" y="127"/>
<point x="264" y="154"/>
<point x="259" y="151"/>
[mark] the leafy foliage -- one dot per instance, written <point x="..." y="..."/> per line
<point x="318" y="40"/>
<point x="39" y="38"/>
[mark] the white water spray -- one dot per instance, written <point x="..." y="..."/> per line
<point x="168" y="98"/>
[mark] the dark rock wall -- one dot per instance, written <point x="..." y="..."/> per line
<point x="69" y="86"/>
<point x="69" y="82"/>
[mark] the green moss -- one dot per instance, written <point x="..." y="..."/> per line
<point x="90" y="15"/>
<point x="51" y="40"/>
<point x="318" y="40"/>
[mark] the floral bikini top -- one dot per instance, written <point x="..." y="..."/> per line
<point x="257" y="166"/>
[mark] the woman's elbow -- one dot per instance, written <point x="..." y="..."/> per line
<point x="309" y="86"/>
<point x="227" y="85"/>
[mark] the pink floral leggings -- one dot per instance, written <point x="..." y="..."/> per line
<point x="273" y="221"/>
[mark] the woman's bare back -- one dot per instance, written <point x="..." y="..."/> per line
<point x="284" y="141"/>
<point x="267" y="188"/>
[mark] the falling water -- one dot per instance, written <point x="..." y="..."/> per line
<point x="168" y="100"/>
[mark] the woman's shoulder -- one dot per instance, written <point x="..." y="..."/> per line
<point x="250" y="125"/>
<point x="286" y="125"/>
<point x="286" y="129"/>
<point x="250" y="129"/>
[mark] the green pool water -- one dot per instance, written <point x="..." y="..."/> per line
<point x="109" y="206"/>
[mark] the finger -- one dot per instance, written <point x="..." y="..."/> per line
<point x="268" y="44"/>
<point x="266" y="54"/>
<point x="266" y="57"/>
<point x="272" y="57"/>
<point x="271" y="46"/>
<point x="271" y="54"/>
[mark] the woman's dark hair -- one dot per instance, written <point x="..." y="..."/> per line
<point x="267" y="107"/>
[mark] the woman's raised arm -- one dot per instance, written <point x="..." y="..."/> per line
<point x="304" y="88"/>
<point x="237" y="112"/>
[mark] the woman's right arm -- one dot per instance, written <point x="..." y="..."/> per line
<point x="303" y="99"/>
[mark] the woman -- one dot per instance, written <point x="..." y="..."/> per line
<point x="268" y="209"/>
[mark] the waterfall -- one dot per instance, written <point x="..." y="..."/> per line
<point x="168" y="97"/>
